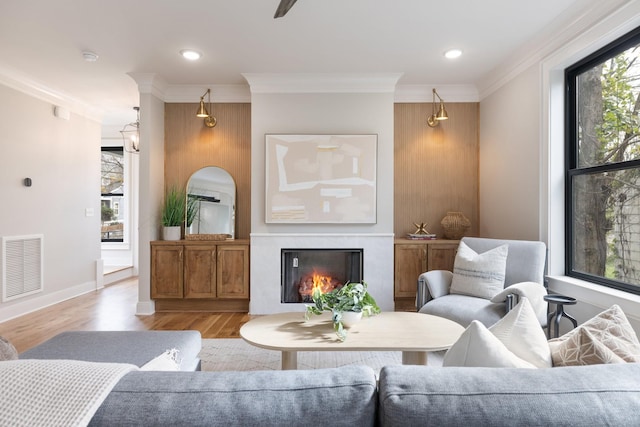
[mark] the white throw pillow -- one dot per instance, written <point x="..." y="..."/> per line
<point x="478" y="347"/>
<point x="520" y="331"/>
<point x="479" y="275"/>
<point x="167" y="361"/>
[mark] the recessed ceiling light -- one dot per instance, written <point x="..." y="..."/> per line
<point x="453" y="53"/>
<point x="191" y="55"/>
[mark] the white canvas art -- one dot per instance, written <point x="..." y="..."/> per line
<point x="321" y="179"/>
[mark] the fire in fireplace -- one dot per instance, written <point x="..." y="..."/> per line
<point x="304" y="270"/>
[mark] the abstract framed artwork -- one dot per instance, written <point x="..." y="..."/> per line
<point x="328" y="179"/>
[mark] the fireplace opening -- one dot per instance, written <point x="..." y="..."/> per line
<point x="304" y="269"/>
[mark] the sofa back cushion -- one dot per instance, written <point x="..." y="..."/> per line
<point x="337" y="396"/>
<point x="569" y="396"/>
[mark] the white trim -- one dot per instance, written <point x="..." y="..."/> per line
<point x="566" y="27"/>
<point x="17" y="309"/>
<point x="25" y="84"/>
<point x="321" y="83"/>
<point x="150" y="83"/>
<point x="145" y="308"/>
<point x="321" y="235"/>
<point x="423" y="93"/>
<point x="219" y="93"/>
<point x="598" y="296"/>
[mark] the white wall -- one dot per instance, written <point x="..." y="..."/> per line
<point x="323" y="113"/>
<point x="510" y="159"/>
<point x="62" y="157"/>
<point x="522" y="160"/>
<point x="151" y="189"/>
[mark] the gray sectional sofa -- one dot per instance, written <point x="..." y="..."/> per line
<point x="353" y="396"/>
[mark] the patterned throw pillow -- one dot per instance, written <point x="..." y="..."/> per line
<point x="479" y="275"/>
<point x="606" y="338"/>
<point x="7" y="350"/>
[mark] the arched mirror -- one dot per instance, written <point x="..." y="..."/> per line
<point x="211" y="197"/>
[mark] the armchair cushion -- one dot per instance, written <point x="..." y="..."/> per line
<point x="480" y="275"/>
<point x="462" y="309"/>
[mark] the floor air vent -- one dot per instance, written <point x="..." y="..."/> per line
<point x="21" y="266"/>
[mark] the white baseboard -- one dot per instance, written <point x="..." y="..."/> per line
<point x="145" y="308"/>
<point x="37" y="302"/>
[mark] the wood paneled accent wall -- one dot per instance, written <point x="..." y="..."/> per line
<point x="435" y="169"/>
<point x="189" y="145"/>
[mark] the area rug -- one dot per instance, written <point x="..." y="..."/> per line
<point x="234" y="354"/>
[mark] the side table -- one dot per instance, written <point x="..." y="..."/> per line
<point x="560" y="301"/>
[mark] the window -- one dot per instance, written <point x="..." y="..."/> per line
<point x="603" y="166"/>
<point x="112" y="190"/>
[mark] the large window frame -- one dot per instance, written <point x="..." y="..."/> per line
<point x="106" y="236"/>
<point x="574" y="171"/>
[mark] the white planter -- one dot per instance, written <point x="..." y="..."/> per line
<point x="350" y="318"/>
<point x="171" y="233"/>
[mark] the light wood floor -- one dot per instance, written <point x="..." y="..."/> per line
<point x="113" y="309"/>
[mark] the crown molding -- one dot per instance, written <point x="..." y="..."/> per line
<point x="25" y="84"/>
<point x="321" y="83"/>
<point x="573" y="22"/>
<point x="150" y="83"/>
<point x="423" y="93"/>
<point x="219" y="93"/>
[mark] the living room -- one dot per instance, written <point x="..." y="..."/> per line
<point x="54" y="155"/>
<point x="499" y="159"/>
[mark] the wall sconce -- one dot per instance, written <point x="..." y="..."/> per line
<point x="131" y="135"/>
<point x="209" y="120"/>
<point x="436" y="116"/>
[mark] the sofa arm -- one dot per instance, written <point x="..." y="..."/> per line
<point x="432" y="284"/>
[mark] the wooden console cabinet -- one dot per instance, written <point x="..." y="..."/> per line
<point x="195" y="275"/>
<point x="414" y="257"/>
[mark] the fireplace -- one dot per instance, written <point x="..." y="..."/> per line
<point x="302" y="270"/>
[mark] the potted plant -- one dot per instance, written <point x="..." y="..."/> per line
<point x="193" y="208"/>
<point x="350" y="298"/>
<point x="173" y="213"/>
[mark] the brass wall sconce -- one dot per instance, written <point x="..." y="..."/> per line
<point x="209" y="120"/>
<point x="436" y="116"/>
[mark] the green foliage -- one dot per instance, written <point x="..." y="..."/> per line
<point x="174" y="207"/>
<point x="350" y="297"/>
<point x="193" y="206"/>
<point x="106" y="213"/>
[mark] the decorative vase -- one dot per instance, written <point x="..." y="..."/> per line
<point x="350" y="318"/>
<point x="455" y="224"/>
<point x="171" y="233"/>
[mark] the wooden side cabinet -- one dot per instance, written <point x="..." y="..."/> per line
<point x="200" y="275"/>
<point x="166" y="271"/>
<point x="414" y="257"/>
<point x="233" y="271"/>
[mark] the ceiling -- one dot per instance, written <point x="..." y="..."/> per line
<point x="41" y="41"/>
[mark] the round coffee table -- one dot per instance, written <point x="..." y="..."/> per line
<point x="414" y="334"/>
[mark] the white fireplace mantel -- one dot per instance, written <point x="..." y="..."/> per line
<point x="265" y="266"/>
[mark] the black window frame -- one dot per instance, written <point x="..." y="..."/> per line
<point x="112" y="149"/>
<point x="572" y="169"/>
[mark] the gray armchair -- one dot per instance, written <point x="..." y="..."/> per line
<point x="524" y="276"/>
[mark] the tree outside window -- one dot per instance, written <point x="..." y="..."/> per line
<point x="603" y="166"/>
